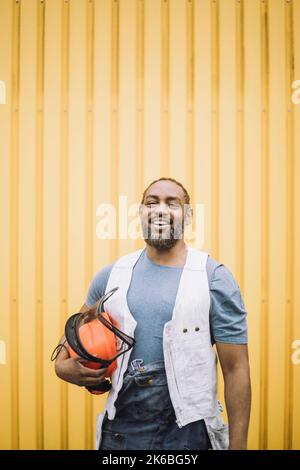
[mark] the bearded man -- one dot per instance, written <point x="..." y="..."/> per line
<point x="184" y="310"/>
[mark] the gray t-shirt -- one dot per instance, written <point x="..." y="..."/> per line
<point x="151" y="299"/>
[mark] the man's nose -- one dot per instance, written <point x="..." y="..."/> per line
<point x="161" y="209"/>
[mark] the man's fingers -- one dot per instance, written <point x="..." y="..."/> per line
<point x="97" y="373"/>
<point x="89" y="381"/>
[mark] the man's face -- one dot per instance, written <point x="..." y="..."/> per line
<point x="162" y="215"/>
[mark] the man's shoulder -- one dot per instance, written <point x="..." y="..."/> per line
<point x="106" y="270"/>
<point x="211" y="265"/>
<point x="102" y="274"/>
<point x="217" y="271"/>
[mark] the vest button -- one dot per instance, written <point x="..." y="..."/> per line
<point x="184" y="330"/>
<point x="197" y="328"/>
<point x="150" y="381"/>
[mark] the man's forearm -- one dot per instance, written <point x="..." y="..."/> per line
<point x="238" y="403"/>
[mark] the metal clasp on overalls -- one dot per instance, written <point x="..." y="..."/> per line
<point x="136" y="365"/>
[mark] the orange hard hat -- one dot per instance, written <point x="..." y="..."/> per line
<point x="99" y="342"/>
<point x="93" y="337"/>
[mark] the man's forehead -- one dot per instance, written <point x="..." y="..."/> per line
<point x="165" y="191"/>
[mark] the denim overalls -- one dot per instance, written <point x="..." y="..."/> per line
<point x="145" y="418"/>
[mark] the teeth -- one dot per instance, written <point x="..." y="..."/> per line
<point x="160" y="223"/>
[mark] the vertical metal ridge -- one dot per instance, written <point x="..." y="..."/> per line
<point x="290" y="226"/>
<point x="64" y="113"/>
<point x="39" y="199"/>
<point x="165" y="88"/>
<point x="215" y="125"/>
<point x="114" y="138"/>
<point x="190" y="111"/>
<point x="140" y="74"/>
<point x="89" y="120"/>
<point x="264" y="333"/>
<point x="240" y="73"/>
<point x="14" y="225"/>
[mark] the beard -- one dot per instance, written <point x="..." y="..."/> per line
<point x="162" y="238"/>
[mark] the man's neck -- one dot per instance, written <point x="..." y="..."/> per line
<point x="175" y="256"/>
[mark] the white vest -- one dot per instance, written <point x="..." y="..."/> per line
<point x="190" y="360"/>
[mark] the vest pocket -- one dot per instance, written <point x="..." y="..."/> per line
<point x="192" y="363"/>
<point x="197" y="370"/>
<point x="219" y="435"/>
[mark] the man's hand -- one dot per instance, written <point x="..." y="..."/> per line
<point x="73" y="371"/>
<point x="235" y="368"/>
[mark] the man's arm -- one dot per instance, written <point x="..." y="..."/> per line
<point x="235" y="367"/>
<point x="71" y="370"/>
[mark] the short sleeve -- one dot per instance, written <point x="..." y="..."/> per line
<point x="98" y="286"/>
<point x="227" y="311"/>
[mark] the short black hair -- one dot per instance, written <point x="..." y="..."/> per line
<point x="186" y="194"/>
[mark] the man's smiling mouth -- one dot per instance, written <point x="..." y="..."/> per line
<point x="160" y="223"/>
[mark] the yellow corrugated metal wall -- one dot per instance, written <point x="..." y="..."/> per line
<point x="99" y="97"/>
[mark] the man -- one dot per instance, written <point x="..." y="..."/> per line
<point x="178" y="302"/>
